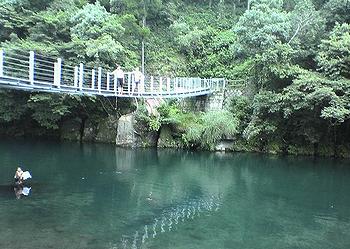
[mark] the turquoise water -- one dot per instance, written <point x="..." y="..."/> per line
<point x="98" y="196"/>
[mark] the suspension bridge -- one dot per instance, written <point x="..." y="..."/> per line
<point x="30" y="71"/>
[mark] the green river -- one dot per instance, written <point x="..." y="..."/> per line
<point x="95" y="196"/>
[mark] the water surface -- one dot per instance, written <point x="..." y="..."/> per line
<point x="98" y="196"/>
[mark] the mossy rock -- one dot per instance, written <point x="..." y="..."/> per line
<point x="241" y="145"/>
<point x="106" y="130"/>
<point x="297" y="149"/>
<point x="70" y="130"/>
<point x="166" y="138"/>
<point x="344" y="151"/>
<point x="148" y="139"/>
<point x="325" y="149"/>
<point x="274" y="148"/>
<point x="90" y="131"/>
<point x="125" y="131"/>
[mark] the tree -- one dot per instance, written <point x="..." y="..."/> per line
<point x="314" y="97"/>
<point x="261" y="27"/>
<point x="12" y="106"/>
<point x="334" y="54"/>
<point x="336" y="11"/>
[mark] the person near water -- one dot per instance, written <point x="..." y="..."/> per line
<point x="19" y="176"/>
<point x="119" y="77"/>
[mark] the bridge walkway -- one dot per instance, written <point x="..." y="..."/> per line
<point x="30" y="71"/>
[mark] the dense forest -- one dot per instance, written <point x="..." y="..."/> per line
<point x="291" y="59"/>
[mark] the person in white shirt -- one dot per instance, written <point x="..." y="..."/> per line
<point x="18" y="176"/>
<point x="119" y="77"/>
<point x="21" y="176"/>
<point x="138" y="78"/>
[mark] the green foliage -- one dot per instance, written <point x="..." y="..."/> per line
<point x="274" y="66"/>
<point x="210" y="128"/>
<point x="51" y="26"/>
<point x="308" y="27"/>
<point x="241" y="109"/>
<point x="261" y="27"/>
<point x="217" y="125"/>
<point x="193" y="135"/>
<point x="336" y="11"/>
<point x="312" y="93"/>
<point x="259" y="130"/>
<point x="186" y="38"/>
<point x="92" y="21"/>
<point x="14" y="22"/>
<point x="144" y="121"/>
<point x="12" y="106"/>
<point x="334" y="54"/>
<point x="262" y="123"/>
<point x="47" y="109"/>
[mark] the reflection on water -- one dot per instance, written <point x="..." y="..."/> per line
<point x="21" y="190"/>
<point x="170" y="218"/>
<point x="99" y="196"/>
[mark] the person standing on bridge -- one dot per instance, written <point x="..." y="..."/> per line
<point x="119" y="78"/>
<point x="138" y="79"/>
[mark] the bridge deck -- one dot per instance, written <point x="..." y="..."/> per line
<point x="30" y="72"/>
<point x="21" y="84"/>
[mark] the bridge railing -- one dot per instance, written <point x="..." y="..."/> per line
<point x="42" y="72"/>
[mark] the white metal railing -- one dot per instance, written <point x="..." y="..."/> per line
<point x="32" y="71"/>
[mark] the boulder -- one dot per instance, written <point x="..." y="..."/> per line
<point x="125" y="132"/>
<point x="106" y="130"/>
<point x="70" y="130"/>
<point x="166" y="139"/>
<point x="90" y="131"/>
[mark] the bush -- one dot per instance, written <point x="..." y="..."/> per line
<point x="210" y="128"/>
